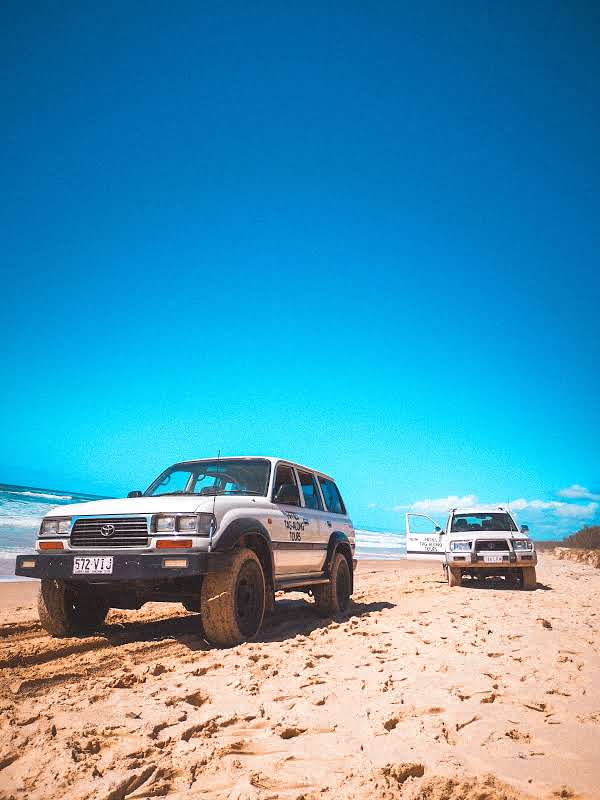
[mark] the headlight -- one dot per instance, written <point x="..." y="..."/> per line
<point x="460" y="547"/>
<point x="55" y="527"/>
<point x="201" y="524"/>
<point x="187" y="523"/>
<point x="522" y="544"/>
<point x="164" y="523"/>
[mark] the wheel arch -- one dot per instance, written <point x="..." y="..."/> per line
<point x="339" y="543"/>
<point x="248" y="532"/>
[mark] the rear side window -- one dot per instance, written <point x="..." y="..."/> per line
<point x="333" y="499"/>
<point x="309" y="490"/>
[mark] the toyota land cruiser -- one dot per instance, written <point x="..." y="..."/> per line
<point x="219" y="535"/>
<point x="478" y="542"/>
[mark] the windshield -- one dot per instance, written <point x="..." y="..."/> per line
<point x="210" y="478"/>
<point x="482" y="522"/>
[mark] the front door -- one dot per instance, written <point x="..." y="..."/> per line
<point x="424" y="538"/>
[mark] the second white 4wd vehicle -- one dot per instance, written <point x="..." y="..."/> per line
<point x="219" y="535"/>
<point x="478" y="542"/>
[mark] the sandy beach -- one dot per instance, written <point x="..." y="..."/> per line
<point x="421" y="691"/>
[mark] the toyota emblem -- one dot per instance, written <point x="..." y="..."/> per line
<point x="107" y="530"/>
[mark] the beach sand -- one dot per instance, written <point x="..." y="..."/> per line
<point x="420" y="691"/>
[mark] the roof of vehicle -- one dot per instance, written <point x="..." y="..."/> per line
<point x="480" y="510"/>
<point x="272" y="459"/>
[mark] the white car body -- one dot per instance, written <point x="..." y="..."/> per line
<point x="493" y="550"/>
<point x="300" y="538"/>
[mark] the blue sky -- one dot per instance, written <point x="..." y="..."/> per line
<point x="365" y="238"/>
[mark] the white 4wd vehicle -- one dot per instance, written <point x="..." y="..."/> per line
<point x="479" y="542"/>
<point x="219" y="535"/>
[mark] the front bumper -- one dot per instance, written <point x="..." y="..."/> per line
<point x="126" y="566"/>
<point x="510" y="560"/>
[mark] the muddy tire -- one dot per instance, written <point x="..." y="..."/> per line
<point x="269" y="601"/>
<point x="529" y="581"/>
<point x="454" y="577"/>
<point x="514" y="579"/>
<point x="64" y="612"/>
<point x="233" y="601"/>
<point x="334" y="597"/>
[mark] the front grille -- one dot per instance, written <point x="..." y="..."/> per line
<point x="491" y="544"/>
<point x="128" y="532"/>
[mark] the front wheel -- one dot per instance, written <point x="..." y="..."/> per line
<point x="65" y="612"/>
<point x="454" y="577"/>
<point x="529" y="578"/>
<point x="233" y="601"/>
<point x="334" y="597"/>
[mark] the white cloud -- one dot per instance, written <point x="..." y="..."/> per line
<point x="577" y="492"/>
<point x="586" y="511"/>
<point x="556" y="516"/>
<point x="439" y="505"/>
<point x="560" y="508"/>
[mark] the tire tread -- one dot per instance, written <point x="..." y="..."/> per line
<point x="218" y="602"/>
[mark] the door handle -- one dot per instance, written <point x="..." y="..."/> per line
<point x="305" y="521"/>
<point x="329" y="523"/>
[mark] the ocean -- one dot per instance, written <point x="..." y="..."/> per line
<point x="22" y="508"/>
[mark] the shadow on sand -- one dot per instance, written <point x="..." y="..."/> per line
<point x="500" y="583"/>
<point x="290" y="618"/>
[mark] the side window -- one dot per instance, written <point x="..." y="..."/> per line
<point x="309" y="490"/>
<point x="333" y="499"/>
<point x="285" y="477"/>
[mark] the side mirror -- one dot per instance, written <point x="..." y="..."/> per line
<point x="288" y="495"/>
<point x="135" y="493"/>
<point x="524" y="528"/>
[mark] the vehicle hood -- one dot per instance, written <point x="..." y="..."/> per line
<point x="135" y="505"/>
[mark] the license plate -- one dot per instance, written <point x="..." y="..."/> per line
<point x="92" y="565"/>
<point x="493" y="559"/>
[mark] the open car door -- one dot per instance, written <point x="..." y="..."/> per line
<point x="424" y="538"/>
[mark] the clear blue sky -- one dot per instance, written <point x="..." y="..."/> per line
<point x="364" y="236"/>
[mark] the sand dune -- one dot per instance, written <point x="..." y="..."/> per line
<point x="421" y="691"/>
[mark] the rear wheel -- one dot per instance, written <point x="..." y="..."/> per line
<point x="63" y="611"/>
<point x="514" y="578"/>
<point x="233" y="601"/>
<point x="334" y="597"/>
<point x="454" y="577"/>
<point x="529" y="578"/>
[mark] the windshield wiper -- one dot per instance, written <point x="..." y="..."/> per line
<point x="220" y="492"/>
<point x="242" y="491"/>
<point x="211" y="494"/>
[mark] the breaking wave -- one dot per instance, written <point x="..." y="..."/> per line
<point x="42" y="495"/>
<point x="377" y="545"/>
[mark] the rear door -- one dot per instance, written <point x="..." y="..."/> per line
<point x="424" y="538"/>
<point x="312" y="536"/>
<point x="295" y="531"/>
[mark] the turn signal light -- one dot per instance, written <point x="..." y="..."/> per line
<point x="172" y="544"/>
<point x="51" y="546"/>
